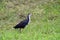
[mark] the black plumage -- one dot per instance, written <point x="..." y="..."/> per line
<point x="23" y="23"/>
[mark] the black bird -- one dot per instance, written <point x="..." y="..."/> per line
<point x="23" y="23"/>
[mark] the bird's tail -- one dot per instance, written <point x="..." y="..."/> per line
<point x="15" y="27"/>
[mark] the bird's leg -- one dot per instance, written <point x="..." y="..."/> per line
<point x="20" y="30"/>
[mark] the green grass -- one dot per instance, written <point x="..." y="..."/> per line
<point x="45" y="19"/>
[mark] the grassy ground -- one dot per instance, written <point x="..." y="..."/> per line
<point x="45" y="19"/>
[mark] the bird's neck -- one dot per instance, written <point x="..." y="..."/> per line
<point x="28" y="17"/>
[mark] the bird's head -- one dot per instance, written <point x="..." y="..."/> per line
<point x="29" y="14"/>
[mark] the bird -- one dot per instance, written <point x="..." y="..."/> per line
<point x="23" y="23"/>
